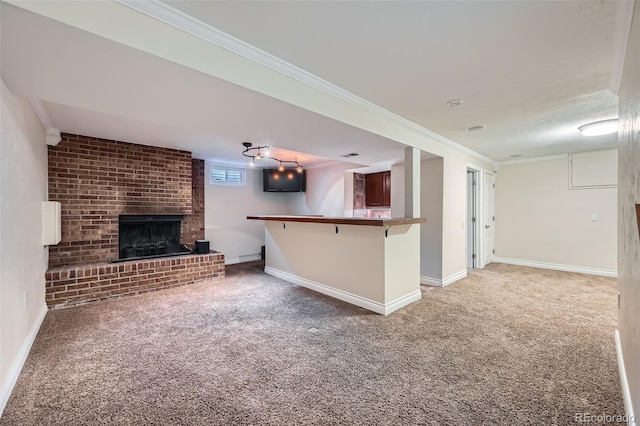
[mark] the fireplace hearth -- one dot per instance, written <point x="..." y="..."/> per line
<point x="149" y="236"/>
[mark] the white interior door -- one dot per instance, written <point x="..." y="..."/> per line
<point x="489" y="218"/>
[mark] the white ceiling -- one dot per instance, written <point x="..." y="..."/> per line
<point x="93" y="86"/>
<point x="530" y="71"/>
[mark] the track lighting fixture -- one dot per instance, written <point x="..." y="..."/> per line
<point x="264" y="153"/>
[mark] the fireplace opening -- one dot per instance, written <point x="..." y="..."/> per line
<point x="147" y="236"/>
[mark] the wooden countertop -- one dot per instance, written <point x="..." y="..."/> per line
<point x="343" y="220"/>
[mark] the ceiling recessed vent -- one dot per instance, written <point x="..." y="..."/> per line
<point x="454" y="103"/>
<point x="475" y="128"/>
<point x="515" y="156"/>
<point x="351" y="154"/>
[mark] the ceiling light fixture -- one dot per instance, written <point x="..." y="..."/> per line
<point x="250" y="153"/>
<point x="454" y="103"/>
<point x="476" y="128"/>
<point x="598" y="128"/>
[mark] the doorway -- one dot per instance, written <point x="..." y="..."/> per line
<point x="489" y="218"/>
<point x="473" y="215"/>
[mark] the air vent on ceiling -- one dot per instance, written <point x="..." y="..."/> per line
<point x="351" y="154"/>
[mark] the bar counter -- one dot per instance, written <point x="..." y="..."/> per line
<point x="371" y="263"/>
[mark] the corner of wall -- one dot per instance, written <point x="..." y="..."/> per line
<point x="628" y="196"/>
<point x="23" y="173"/>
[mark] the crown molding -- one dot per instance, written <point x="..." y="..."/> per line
<point x="53" y="137"/>
<point x="53" y="134"/>
<point x="624" y="18"/>
<point x="42" y="113"/>
<point x="180" y="20"/>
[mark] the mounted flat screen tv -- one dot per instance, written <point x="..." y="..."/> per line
<point x="288" y="180"/>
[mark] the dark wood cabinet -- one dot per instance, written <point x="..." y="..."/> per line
<point x="378" y="189"/>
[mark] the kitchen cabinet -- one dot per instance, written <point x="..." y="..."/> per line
<point x="378" y="189"/>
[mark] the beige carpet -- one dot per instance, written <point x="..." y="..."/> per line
<point x="507" y="345"/>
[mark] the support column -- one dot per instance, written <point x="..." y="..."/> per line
<point x="411" y="182"/>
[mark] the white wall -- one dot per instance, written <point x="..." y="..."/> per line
<point x="431" y="196"/>
<point x="445" y="210"/>
<point x="431" y="208"/>
<point x="397" y="191"/>
<point x="454" y="215"/>
<point x="325" y="194"/>
<point x="539" y="219"/>
<point x="23" y="258"/>
<point x="227" y="207"/>
<point x="628" y="232"/>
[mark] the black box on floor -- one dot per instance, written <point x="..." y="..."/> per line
<point x="201" y="247"/>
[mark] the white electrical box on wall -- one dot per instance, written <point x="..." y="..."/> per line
<point x="51" y="223"/>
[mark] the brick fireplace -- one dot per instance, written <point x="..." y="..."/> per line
<point x="142" y="235"/>
<point x="98" y="182"/>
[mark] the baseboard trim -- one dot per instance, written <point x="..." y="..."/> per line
<point x="626" y="391"/>
<point x="18" y="363"/>
<point x="242" y="259"/>
<point x="435" y="282"/>
<point x="558" y="267"/>
<point x="380" y="308"/>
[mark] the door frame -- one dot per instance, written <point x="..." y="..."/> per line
<point x="489" y="256"/>
<point x="473" y="212"/>
<point x="478" y="237"/>
<point x="480" y="220"/>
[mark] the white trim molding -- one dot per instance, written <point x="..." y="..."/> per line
<point x="53" y="137"/>
<point x="626" y="390"/>
<point x="16" y="367"/>
<point x="53" y="134"/>
<point x="436" y="282"/>
<point x="184" y="22"/>
<point x="558" y="267"/>
<point x="242" y="259"/>
<point x="384" y="309"/>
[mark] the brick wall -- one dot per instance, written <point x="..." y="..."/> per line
<point x="96" y="180"/>
<point x="74" y="285"/>
<point x="193" y="225"/>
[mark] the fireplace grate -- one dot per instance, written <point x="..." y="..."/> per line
<point x="144" y="236"/>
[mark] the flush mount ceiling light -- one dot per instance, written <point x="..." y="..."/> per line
<point x="264" y="153"/>
<point x="598" y="128"/>
<point x="454" y="103"/>
<point x="475" y="128"/>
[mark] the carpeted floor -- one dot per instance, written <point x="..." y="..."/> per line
<point x="507" y="345"/>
